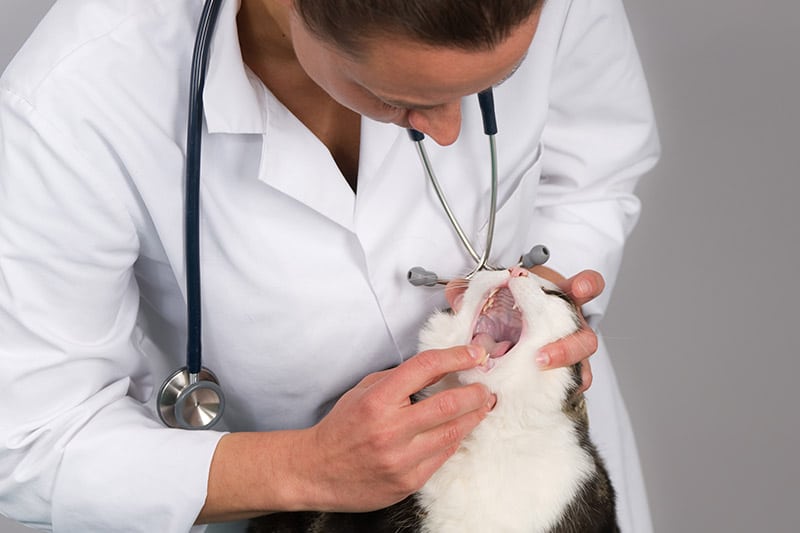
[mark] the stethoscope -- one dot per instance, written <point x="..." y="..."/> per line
<point x="191" y="397"/>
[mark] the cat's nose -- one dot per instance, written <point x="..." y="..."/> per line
<point x="518" y="272"/>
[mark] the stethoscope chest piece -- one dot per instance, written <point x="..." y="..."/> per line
<point x="191" y="402"/>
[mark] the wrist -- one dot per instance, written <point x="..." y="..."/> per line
<point x="256" y="473"/>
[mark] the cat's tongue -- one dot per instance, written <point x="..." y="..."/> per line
<point x="492" y="347"/>
<point x="499" y="324"/>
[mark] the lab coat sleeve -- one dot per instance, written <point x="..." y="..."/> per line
<point x="79" y="450"/>
<point x="599" y="138"/>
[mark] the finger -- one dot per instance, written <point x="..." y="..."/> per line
<point x="586" y="376"/>
<point x="450" y="405"/>
<point x="454" y="293"/>
<point x="569" y="350"/>
<point x="440" y="443"/>
<point x="584" y="286"/>
<point x="426" y="368"/>
<point x="370" y="379"/>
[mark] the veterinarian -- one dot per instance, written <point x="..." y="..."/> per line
<point x="313" y="208"/>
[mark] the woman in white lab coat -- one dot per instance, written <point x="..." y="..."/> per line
<point x="304" y="289"/>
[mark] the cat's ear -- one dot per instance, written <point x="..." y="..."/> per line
<point x="454" y="293"/>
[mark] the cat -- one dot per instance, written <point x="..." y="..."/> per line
<point x="530" y="466"/>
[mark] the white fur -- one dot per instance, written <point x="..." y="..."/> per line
<point x="520" y="468"/>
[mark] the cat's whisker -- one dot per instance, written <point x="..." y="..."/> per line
<point x="434" y="294"/>
<point x="459" y="283"/>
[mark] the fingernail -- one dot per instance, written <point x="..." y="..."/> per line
<point x="478" y="353"/>
<point x="492" y="401"/>
<point x="584" y="288"/>
<point x="543" y="359"/>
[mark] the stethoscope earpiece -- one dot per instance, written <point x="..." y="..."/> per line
<point x="188" y="401"/>
<point x="420" y="277"/>
<point x="538" y="255"/>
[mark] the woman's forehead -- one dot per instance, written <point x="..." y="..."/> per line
<point x="403" y="71"/>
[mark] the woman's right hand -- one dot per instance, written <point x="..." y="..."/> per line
<point x="375" y="447"/>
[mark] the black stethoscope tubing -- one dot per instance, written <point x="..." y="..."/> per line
<point x="191" y="398"/>
<point x="194" y="137"/>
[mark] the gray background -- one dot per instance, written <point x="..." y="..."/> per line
<point x="702" y="323"/>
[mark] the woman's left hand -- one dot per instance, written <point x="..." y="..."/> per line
<point x="578" y="347"/>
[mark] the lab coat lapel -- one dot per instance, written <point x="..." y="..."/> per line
<point x="232" y="96"/>
<point x="383" y="182"/>
<point x="295" y="162"/>
<point x="378" y="149"/>
<point x="391" y="204"/>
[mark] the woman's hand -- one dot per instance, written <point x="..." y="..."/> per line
<point x="578" y="347"/>
<point x="375" y="447"/>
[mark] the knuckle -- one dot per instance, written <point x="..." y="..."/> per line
<point x="372" y="406"/>
<point x="558" y="356"/>
<point x="389" y="463"/>
<point x="383" y="444"/>
<point x="428" y="361"/>
<point x="410" y="483"/>
<point x="591" y="342"/>
<point x="451" y="450"/>
<point x="447" y="405"/>
<point x="585" y="376"/>
<point x="451" y="437"/>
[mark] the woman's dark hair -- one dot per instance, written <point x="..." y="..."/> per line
<point x="467" y="24"/>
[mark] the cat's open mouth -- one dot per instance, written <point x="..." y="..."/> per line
<point x="498" y="326"/>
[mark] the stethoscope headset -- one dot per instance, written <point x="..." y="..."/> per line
<point x="191" y="397"/>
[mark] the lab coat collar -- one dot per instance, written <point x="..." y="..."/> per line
<point x="232" y="98"/>
<point x="312" y="177"/>
<point x="236" y="102"/>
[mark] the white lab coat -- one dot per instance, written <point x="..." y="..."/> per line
<point x="304" y="287"/>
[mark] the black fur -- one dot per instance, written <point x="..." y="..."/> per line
<point x="403" y="517"/>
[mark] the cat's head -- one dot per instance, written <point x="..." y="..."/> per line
<point x="512" y="314"/>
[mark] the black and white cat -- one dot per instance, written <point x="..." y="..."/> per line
<point x="530" y="466"/>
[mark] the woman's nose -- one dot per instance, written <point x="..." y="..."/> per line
<point x="441" y="123"/>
